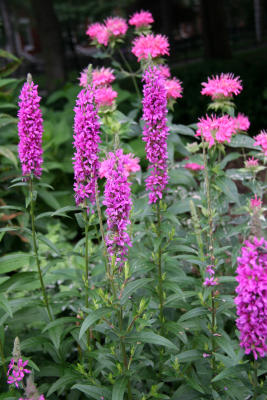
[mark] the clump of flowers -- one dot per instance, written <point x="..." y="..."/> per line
<point x="225" y="85"/>
<point x="210" y="281"/>
<point x="100" y="77"/>
<point x="116" y="26"/>
<point x="150" y="46"/>
<point x="165" y="71"/>
<point x="118" y="206"/>
<point x="174" y="88"/>
<point x="112" y="28"/>
<point x="155" y="132"/>
<point x="105" y="96"/>
<point x="261" y="140"/>
<point x="194" y="166"/>
<point x="251" y="297"/>
<point x="251" y="163"/>
<point x="130" y="164"/>
<point x="86" y="143"/>
<point x="255" y="202"/>
<point x="16" y="371"/>
<point x="30" y="130"/>
<point x="141" y="19"/>
<point x="216" y="129"/>
<point x="241" y="122"/>
<point x="98" y="33"/>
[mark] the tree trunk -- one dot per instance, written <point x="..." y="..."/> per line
<point x="48" y="28"/>
<point x="214" y="29"/>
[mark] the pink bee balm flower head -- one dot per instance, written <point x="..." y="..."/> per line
<point x="118" y="202"/>
<point x="99" y="33"/>
<point x="194" y="166"/>
<point x="30" y="130"/>
<point x="174" y="88"/>
<point x="251" y="163"/>
<point x="216" y="129"/>
<point x="116" y="26"/>
<point x="242" y="122"/>
<point x="155" y="132"/>
<point x="251" y="301"/>
<point x="261" y="140"/>
<point x="141" y="19"/>
<point x="150" y="46"/>
<point x="103" y="76"/>
<point x="224" y="85"/>
<point x="105" y="96"/>
<point x="130" y="164"/>
<point x="86" y="140"/>
<point x="165" y="71"/>
<point x="211" y="281"/>
<point x="255" y="202"/>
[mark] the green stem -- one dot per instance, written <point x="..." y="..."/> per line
<point x="212" y="257"/>
<point x="123" y="351"/>
<point x="255" y="379"/>
<point x="35" y="247"/>
<point x="161" y="317"/>
<point x="3" y="357"/>
<point x="107" y="263"/>
<point x="131" y="73"/>
<point x="86" y="278"/>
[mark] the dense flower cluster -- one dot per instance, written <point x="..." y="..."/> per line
<point x="194" y="166"/>
<point x="150" y="46"/>
<point x="99" y="33"/>
<point x="16" y="371"/>
<point x="39" y="398"/>
<point x="86" y="140"/>
<point x="174" y="88"/>
<point x="155" y="132"/>
<point x="165" y="71"/>
<point x="210" y="281"/>
<point x="118" y="202"/>
<point x="216" y="129"/>
<point x="105" y="96"/>
<point x="30" y="130"/>
<point x="141" y="18"/>
<point x="225" y="85"/>
<point x="116" y="26"/>
<point x="242" y="122"/>
<point x="251" y="163"/>
<point x="100" y="77"/>
<point x="251" y="298"/>
<point x="255" y="202"/>
<point x="261" y="140"/>
<point x="102" y="33"/>
<point x="130" y="164"/>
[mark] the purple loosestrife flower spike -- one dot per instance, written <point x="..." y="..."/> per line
<point x="86" y="140"/>
<point x="30" y="129"/>
<point x="118" y="202"/>
<point x="251" y="300"/>
<point x="155" y="132"/>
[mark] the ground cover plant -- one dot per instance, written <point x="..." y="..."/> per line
<point x="147" y="279"/>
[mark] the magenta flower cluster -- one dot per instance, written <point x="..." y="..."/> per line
<point x="16" y="371"/>
<point x="155" y="132"/>
<point x="30" y="130"/>
<point x="251" y="300"/>
<point x="86" y="143"/>
<point x="118" y="202"/>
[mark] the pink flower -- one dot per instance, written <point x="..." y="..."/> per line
<point x="21" y="366"/>
<point x="205" y="355"/>
<point x="255" y="202"/>
<point x="30" y="130"/>
<point x="141" y="18"/>
<point x="242" y="122"/>
<point x="130" y="164"/>
<point x="174" y="88"/>
<point x="210" y="270"/>
<point x="261" y="140"/>
<point x="194" y="166"/>
<point x="100" y="77"/>
<point x="116" y="26"/>
<point x="165" y="71"/>
<point x="216" y="129"/>
<point x="150" y="45"/>
<point x="99" y="33"/>
<point x="210" y="281"/>
<point x="251" y="302"/>
<point x="16" y="371"/>
<point x="251" y="163"/>
<point x="105" y="96"/>
<point x="224" y="85"/>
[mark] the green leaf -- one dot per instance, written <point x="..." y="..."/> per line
<point x="189" y="356"/>
<point x="49" y="199"/>
<point x="182" y="129"/>
<point x="61" y="383"/>
<point x="60" y="321"/>
<point x="92" y="318"/>
<point x="228" y="187"/>
<point x="14" y="261"/>
<point x="94" y="392"/>
<point x="151" y="338"/>
<point x="133" y="287"/>
<point x="7" y="153"/>
<point x="119" y="388"/>
<point x="48" y="242"/>
<point x="228" y="158"/>
<point x="195" y="312"/>
<point x="243" y="141"/>
<point x="182" y="177"/>
<point x="229" y="373"/>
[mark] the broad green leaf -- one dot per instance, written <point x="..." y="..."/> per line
<point x="228" y="158"/>
<point x="94" y="392"/>
<point x="228" y="187"/>
<point x="14" y="261"/>
<point x="132" y="287"/>
<point x="195" y="312"/>
<point x="119" y="388"/>
<point x="60" y="321"/>
<point x="48" y="242"/>
<point x="243" y="141"/>
<point x="182" y="129"/>
<point x="228" y="373"/>
<point x="151" y="338"/>
<point x="7" y="153"/>
<point x="92" y="318"/>
<point x="189" y="356"/>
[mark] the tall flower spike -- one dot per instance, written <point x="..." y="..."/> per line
<point x="155" y="132"/>
<point x="30" y="130"/>
<point x="251" y="297"/>
<point x="118" y="202"/>
<point x="86" y="140"/>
